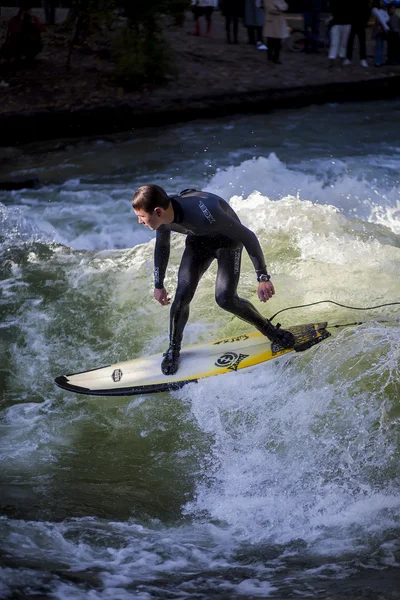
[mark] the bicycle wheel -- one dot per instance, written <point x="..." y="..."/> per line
<point x="296" y="41"/>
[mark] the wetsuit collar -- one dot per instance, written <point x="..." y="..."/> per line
<point x="178" y="211"/>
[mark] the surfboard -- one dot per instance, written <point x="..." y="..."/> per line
<point x="227" y="355"/>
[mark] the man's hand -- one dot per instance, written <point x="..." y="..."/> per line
<point x="162" y="296"/>
<point x="265" y="290"/>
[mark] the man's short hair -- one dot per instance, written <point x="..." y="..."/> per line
<point x="148" y="197"/>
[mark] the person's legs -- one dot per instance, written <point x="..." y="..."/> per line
<point x="235" y="28"/>
<point x="273" y="50"/>
<point x="396" y="49"/>
<point x="270" y="44"/>
<point x="13" y="49"/>
<point x="226" y="296"/>
<point x="393" y="54"/>
<point x="31" y="50"/>
<point x="6" y="52"/>
<point x="278" y="45"/>
<point x="335" y="40"/>
<point x="344" y="38"/>
<point x="197" y="11"/>
<point x="195" y="261"/>
<point x="228" y="28"/>
<point x="378" y="58"/>
<point x="315" y="22"/>
<point x="389" y="48"/>
<point x="208" y="11"/>
<point x="361" y="41"/>
<point x="251" y="34"/>
<point x="307" y="17"/>
<point x="350" y="43"/>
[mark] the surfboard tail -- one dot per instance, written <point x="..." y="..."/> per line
<point x="309" y="335"/>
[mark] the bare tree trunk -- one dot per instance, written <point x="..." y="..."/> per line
<point x="74" y="38"/>
<point x="50" y="11"/>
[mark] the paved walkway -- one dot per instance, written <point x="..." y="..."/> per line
<point x="214" y="78"/>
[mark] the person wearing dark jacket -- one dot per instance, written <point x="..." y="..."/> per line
<point x="359" y="15"/>
<point x="393" y="35"/>
<point x="253" y="20"/>
<point x="232" y="10"/>
<point x="23" y="39"/>
<point x="213" y="231"/>
<point x="312" y="19"/>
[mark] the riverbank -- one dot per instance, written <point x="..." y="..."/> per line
<point x="214" y="79"/>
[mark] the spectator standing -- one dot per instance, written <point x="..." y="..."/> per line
<point x="393" y="35"/>
<point x="340" y="30"/>
<point x="23" y="39"/>
<point x="203" y="8"/>
<point x="275" y="27"/>
<point x="232" y="10"/>
<point x="379" y="30"/>
<point x="312" y="19"/>
<point x="254" y="21"/>
<point x="359" y="14"/>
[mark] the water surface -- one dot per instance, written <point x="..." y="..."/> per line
<point x="282" y="481"/>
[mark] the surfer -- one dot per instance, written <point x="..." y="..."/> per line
<point x="213" y="230"/>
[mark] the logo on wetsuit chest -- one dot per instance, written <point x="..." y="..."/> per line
<point x="230" y="360"/>
<point x="206" y="213"/>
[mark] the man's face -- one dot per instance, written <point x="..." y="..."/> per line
<point x="150" y="220"/>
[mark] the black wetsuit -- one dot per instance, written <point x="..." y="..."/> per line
<point x="213" y="230"/>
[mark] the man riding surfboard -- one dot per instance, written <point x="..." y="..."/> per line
<point x="213" y="231"/>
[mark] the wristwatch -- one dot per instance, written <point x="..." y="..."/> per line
<point x="263" y="277"/>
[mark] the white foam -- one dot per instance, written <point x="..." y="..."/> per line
<point x="294" y="458"/>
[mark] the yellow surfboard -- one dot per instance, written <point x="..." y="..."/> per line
<point x="228" y="355"/>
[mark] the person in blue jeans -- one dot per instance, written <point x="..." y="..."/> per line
<point x="379" y="30"/>
<point x="312" y="19"/>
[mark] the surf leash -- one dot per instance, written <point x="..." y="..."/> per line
<point x="337" y="304"/>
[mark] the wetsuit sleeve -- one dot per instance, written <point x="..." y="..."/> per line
<point x="161" y="255"/>
<point x="235" y="230"/>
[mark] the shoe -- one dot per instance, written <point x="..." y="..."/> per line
<point x="170" y="362"/>
<point x="363" y="63"/>
<point x="261" y="46"/>
<point x="347" y="62"/>
<point x="280" y="338"/>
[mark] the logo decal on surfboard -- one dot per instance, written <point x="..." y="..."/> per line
<point x="230" y="360"/>
<point x="117" y="375"/>
<point x="238" y="338"/>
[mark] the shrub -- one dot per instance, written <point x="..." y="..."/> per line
<point x="142" y="56"/>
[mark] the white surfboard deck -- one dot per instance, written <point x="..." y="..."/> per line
<point x="227" y="355"/>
